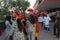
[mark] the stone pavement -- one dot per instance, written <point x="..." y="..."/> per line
<point x="44" y="35"/>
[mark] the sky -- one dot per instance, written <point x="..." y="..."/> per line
<point x="32" y="2"/>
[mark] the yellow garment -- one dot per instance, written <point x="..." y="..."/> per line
<point x="35" y="33"/>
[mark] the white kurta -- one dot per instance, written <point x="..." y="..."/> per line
<point x="46" y="21"/>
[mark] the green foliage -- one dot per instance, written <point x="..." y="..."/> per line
<point x="13" y="3"/>
<point x="3" y="11"/>
<point x="40" y="1"/>
<point x="1" y="18"/>
<point x="20" y="3"/>
<point x="24" y="6"/>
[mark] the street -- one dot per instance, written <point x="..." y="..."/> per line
<point x="44" y="35"/>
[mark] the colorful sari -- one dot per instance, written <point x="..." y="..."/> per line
<point x="36" y="25"/>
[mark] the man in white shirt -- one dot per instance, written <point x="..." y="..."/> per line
<point x="46" y="22"/>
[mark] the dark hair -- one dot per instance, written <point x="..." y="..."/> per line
<point x="20" y="26"/>
<point x="24" y="17"/>
<point x="8" y="18"/>
<point x="32" y="19"/>
<point x="20" y="9"/>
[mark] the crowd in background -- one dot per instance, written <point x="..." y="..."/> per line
<point x="45" y="19"/>
<point x="21" y="26"/>
<point x="25" y="26"/>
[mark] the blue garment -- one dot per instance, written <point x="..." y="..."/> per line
<point x="40" y="19"/>
<point x="29" y="34"/>
<point x="30" y="31"/>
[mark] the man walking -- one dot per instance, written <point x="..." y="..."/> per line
<point x="57" y="24"/>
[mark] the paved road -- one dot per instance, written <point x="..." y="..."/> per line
<point x="44" y="35"/>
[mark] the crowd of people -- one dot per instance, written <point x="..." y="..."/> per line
<point x="21" y="26"/>
<point x="45" y="20"/>
<point x="25" y="26"/>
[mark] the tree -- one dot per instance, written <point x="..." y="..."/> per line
<point x="21" y="3"/>
<point x="25" y="4"/>
<point x="39" y="1"/>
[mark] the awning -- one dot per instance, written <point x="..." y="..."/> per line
<point x="49" y="4"/>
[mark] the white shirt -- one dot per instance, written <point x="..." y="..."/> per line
<point x="40" y="19"/>
<point x="30" y="25"/>
<point x="46" y="20"/>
